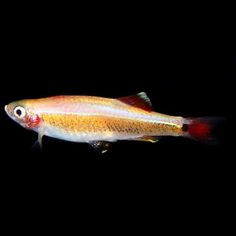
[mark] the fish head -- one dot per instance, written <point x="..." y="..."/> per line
<point x="24" y="114"/>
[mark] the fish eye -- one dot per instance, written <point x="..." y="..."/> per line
<point x="19" y="112"/>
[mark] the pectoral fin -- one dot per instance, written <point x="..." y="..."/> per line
<point x="100" y="146"/>
<point x="38" y="144"/>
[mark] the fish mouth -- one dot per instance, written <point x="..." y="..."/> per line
<point x="5" y="108"/>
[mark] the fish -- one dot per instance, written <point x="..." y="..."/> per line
<point x="101" y="121"/>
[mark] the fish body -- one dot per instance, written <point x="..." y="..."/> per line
<point x="96" y="120"/>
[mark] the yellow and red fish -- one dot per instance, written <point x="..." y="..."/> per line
<point x="99" y="121"/>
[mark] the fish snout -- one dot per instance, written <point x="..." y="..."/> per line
<point x="9" y="109"/>
<point x="6" y="109"/>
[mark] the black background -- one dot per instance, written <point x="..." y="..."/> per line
<point x="184" y="62"/>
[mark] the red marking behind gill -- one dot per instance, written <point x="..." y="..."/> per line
<point x="33" y="121"/>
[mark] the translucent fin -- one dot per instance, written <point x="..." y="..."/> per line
<point x="140" y="100"/>
<point x="100" y="146"/>
<point x="38" y="144"/>
<point x="148" y="139"/>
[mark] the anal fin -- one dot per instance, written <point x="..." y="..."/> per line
<point x="150" y="139"/>
<point x="100" y="146"/>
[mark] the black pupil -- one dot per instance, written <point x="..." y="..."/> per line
<point x="18" y="112"/>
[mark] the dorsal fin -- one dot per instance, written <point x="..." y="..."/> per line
<point x="140" y="100"/>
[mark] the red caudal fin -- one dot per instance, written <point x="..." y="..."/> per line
<point x="203" y="129"/>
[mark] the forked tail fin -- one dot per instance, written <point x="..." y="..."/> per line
<point x="203" y="129"/>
